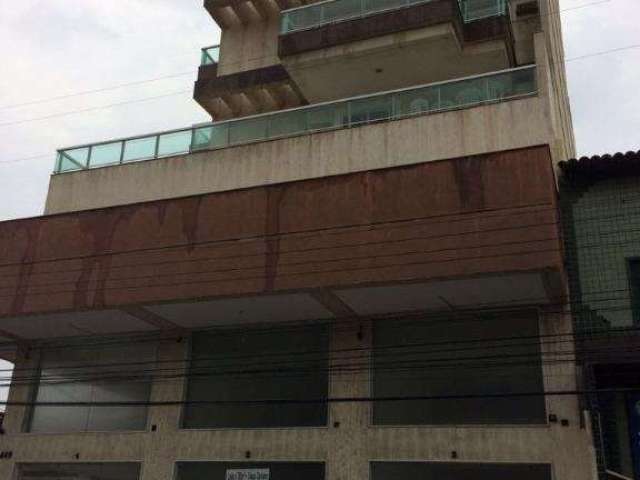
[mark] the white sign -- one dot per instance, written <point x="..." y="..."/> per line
<point x="248" y="474"/>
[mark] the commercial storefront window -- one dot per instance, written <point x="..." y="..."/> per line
<point x="459" y="471"/>
<point x="250" y="471"/>
<point x="79" y="471"/>
<point x="258" y="365"/>
<point x="483" y="358"/>
<point x="89" y="375"/>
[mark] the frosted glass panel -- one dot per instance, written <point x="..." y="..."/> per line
<point x="139" y="149"/>
<point x="105" y="154"/>
<point x="174" y="143"/>
<point x="93" y="375"/>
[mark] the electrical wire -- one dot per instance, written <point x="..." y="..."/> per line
<point x="328" y="400"/>
<point x="227" y="62"/>
<point x="15" y="160"/>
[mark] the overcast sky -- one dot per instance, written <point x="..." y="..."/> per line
<point x="56" y="48"/>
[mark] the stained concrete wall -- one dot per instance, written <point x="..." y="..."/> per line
<point x="489" y="128"/>
<point x="483" y="129"/>
<point x="346" y="448"/>
<point x="247" y="47"/>
<point x="481" y="215"/>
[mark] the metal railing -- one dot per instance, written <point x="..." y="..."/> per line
<point x="394" y="105"/>
<point x="333" y="11"/>
<point x="210" y="55"/>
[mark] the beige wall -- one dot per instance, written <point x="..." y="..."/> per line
<point x="484" y="129"/>
<point x="346" y="449"/>
<point x="247" y="47"/>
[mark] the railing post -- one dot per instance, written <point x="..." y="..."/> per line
<point x="157" y="147"/>
<point x="89" y="156"/>
<point x="122" y="152"/>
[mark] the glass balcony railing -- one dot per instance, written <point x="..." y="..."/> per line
<point x="210" y="55"/>
<point x="332" y="11"/>
<point x="353" y="112"/>
<point x="477" y="9"/>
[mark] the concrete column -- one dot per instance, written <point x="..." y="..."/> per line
<point x="348" y="422"/>
<point x="573" y="449"/>
<point x="164" y="421"/>
<point x="26" y="365"/>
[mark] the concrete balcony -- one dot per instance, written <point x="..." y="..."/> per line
<point x="245" y="93"/>
<point x="341" y="48"/>
<point x="238" y="13"/>
<point x="472" y="232"/>
<point x="390" y="106"/>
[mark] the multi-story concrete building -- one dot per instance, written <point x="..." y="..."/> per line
<point x="355" y="272"/>
<point x="601" y="212"/>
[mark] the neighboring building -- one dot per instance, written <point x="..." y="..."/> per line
<point x="601" y="209"/>
<point x="372" y="215"/>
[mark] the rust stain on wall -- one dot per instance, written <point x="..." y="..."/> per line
<point x="32" y="230"/>
<point x="272" y="239"/>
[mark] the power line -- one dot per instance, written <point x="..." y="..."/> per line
<point x="262" y="359"/>
<point x="175" y="403"/>
<point x="596" y="54"/>
<point x="309" y="233"/>
<point x="98" y="90"/>
<point x="340" y="230"/>
<point x="227" y="62"/>
<point x="91" y="109"/>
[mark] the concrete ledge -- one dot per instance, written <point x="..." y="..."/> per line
<point x="483" y="129"/>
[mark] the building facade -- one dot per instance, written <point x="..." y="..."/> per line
<point x="601" y="211"/>
<point x="355" y="271"/>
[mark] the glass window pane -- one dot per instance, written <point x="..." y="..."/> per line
<point x="214" y="136"/>
<point x="370" y="109"/>
<point x="76" y="156"/>
<point x="277" y="470"/>
<point x="293" y="364"/>
<point x="302" y="18"/>
<point x="438" y="372"/>
<point x="330" y="116"/>
<point x="471" y="92"/>
<point x="210" y="56"/>
<point x="105" y="154"/>
<point x="66" y="377"/>
<point x="202" y="138"/>
<point x="119" y="417"/>
<point x="523" y="81"/>
<point x="244" y="131"/>
<point x="414" y="102"/>
<point x="459" y="471"/>
<point x="79" y="471"/>
<point x="174" y="143"/>
<point x="288" y="123"/>
<point x="372" y="6"/>
<point x="341" y="10"/>
<point x="139" y="149"/>
<point x="65" y="164"/>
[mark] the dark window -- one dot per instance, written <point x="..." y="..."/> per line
<point x="634" y="280"/>
<point x="258" y="364"/>
<point x="459" y="471"/>
<point x="276" y="470"/>
<point x="474" y="357"/>
<point x="94" y="471"/>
